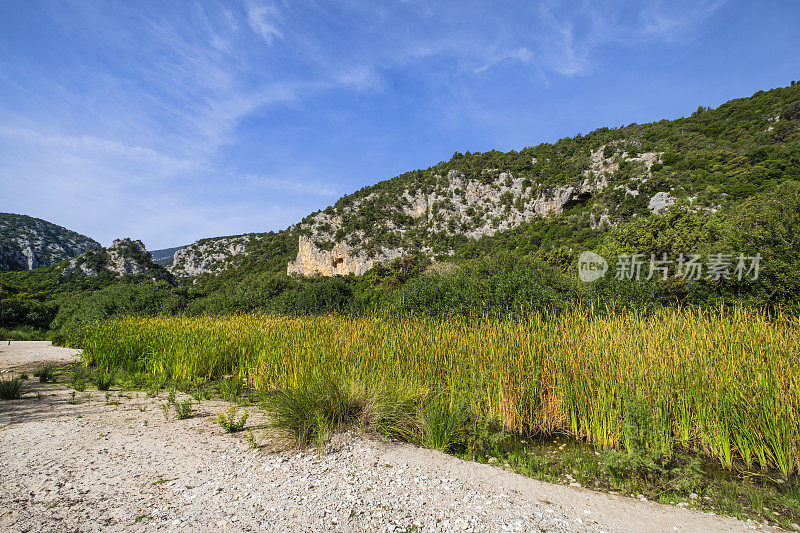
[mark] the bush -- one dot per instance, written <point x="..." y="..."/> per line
<point x="500" y="284"/>
<point x="148" y="299"/>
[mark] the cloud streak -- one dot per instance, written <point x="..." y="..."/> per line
<point x="263" y="19"/>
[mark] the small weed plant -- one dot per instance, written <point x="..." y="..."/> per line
<point x="183" y="410"/>
<point x="230" y="421"/>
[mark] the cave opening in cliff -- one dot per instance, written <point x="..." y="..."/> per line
<point x="578" y="199"/>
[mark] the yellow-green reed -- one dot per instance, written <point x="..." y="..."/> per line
<point x="726" y="382"/>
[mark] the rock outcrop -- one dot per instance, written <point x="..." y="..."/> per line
<point x="124" y="257"/>
<point x="660" y="202"/>
<point x="27" y="243"/>
<point x="340" y="260"/>
<point x="209" y="255"/>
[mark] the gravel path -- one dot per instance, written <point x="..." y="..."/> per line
<point x="25" y="355"/>
<point x="100" y="465"/>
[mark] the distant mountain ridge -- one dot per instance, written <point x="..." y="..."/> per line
<point x="165" y="256"/>
<point x="27" y="242"/>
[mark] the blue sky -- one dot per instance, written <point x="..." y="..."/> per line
<point x="172" y="121"/>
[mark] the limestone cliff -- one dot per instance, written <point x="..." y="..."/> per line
<point x="27" y="243"/>
<point x="343" y="240"/>
<point x="341" y="259"/>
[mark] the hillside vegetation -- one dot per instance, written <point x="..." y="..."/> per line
<point x="501" y="232"/>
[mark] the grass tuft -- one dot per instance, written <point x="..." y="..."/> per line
<point x="103" y="379"/>
<point x="10" y="389"/>
<point x="321" y="406"/>
<point x="46" y="373"/>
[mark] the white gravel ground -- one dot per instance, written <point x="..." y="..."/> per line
<point x="99" y="466"/>
<point x="23" y="355"/>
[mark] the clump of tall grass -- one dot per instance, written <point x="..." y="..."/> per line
<point x="444" y="425"/>
<point x="10" y="389"/>
<point x="324" y="405"/>
<point x="723" y="382"/>
<point x="79" y="378"/>
<point x="46" y="373"/>
<point x="103" y="379"/>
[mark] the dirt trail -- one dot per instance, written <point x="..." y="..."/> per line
<point x="101" y="465"/>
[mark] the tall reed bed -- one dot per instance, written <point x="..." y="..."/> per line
<point x="726" y="382"/>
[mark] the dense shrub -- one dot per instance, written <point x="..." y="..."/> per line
<point x="501" y="284"/>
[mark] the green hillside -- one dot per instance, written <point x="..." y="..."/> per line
<point x="501" y="231"/>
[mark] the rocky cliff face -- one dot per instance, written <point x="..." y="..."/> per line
<point x="417" y="220"/>
<point x="123" y="257"/>
<point x="340" y="260"/>
<point x="27" y="243"/>
<point x="209" y="255"/>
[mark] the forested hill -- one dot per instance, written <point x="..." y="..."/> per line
<point x="27" y="243"/>
<point x="570" y="191"/>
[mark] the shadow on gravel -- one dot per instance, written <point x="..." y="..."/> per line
<point x="41" y="402"/>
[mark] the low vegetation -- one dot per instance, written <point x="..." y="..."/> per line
<point x="231" y="421"/>
<point x="723" y="383"/>
<point x="46" y="373"/>
<point x="10" y="389"/>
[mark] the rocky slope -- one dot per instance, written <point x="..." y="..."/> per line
<point x="27" y="243"/>
<point x="711" y="160"/>
<point x="210" y="255"/>
<point x="454" y="205"/>
<point x="125" y="257"/>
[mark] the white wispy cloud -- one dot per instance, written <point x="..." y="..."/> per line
<point x="136" y="128"/>
<point x="298" y="185"/>
<point x="521" y="54"/>
<point x="576" y="33"/>
<point x="87" y="144"/>
<point x="264" y="20"/>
